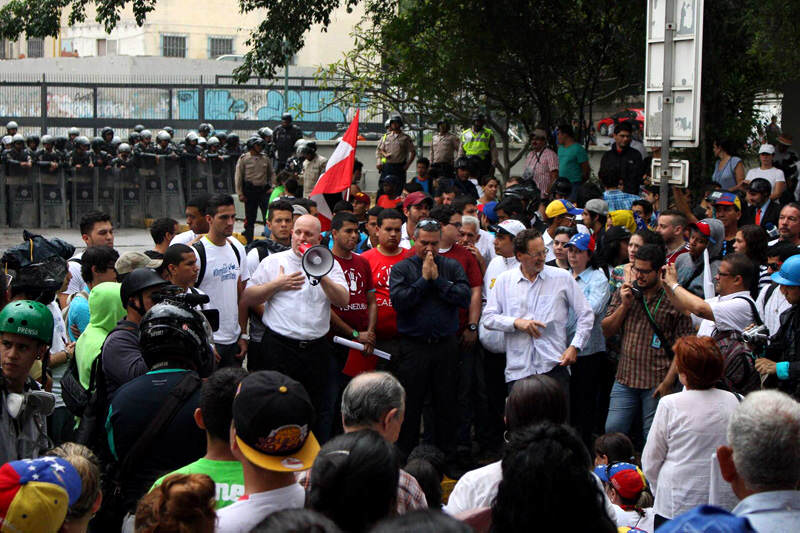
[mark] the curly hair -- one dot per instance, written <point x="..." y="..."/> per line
<point x="87" y="465"/>
<point x="183" y="503"/>
<point x="547" y="481"/>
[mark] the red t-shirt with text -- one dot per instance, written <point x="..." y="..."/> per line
<point x="358" y="275"/>
<point x="381" y="267"/>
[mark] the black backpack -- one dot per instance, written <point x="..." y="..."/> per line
<point x="265" y="247"/>
<point x="740" y="374"/>
<point x="201" y="251"/>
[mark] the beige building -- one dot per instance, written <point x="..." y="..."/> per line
<point x="185" y="29"/>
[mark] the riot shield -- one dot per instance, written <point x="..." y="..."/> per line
<point x="52" y="195"/>
<point x="154" y="201"/>
<point x="23" y="200"/>
<point x="169" y="169"/>
<point x="197" y="177"/>
<point x="131" y="196"/>
<point x="106" y="191"/>
<point x="219" y="174"/>
<point x="3" y="198"/>
<point x="82" y="193"/>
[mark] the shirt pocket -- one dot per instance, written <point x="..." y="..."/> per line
<point x="541" y="307"/>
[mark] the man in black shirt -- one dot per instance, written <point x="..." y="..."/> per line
<point x="284" y="137"/>
<point x="622" y="161"/>
<point x="426" y="291"/>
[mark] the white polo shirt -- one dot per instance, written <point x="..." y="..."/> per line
<point x="731" y="312"/>
<point x="303" y="314"/>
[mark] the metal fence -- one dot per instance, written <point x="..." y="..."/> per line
<point x="51" y="104"/>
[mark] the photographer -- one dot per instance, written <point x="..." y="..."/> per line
<point x="732" y="310"/>
<point x="782" y="361"/>
<point x="648" y="324"/>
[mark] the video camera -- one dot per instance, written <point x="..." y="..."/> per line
<point x="187" y="300"/>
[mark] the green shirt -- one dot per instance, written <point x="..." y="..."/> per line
<point x="570" y="159"/>
<point x="227" y="476"/>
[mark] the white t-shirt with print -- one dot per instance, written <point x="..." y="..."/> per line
<point x="221" y="284"/>
<point x="244" y="515"/>
<point x="772" y="175"/>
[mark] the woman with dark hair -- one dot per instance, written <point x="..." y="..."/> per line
<point x="752" y="241"/>
<point x="584" y="389"/>
<point x="491" y="190"/>
<point x="687" y="429"/>
<point x="296" y="521"/>
<point x="729" y="169"/>
<point x="532" y="399"/>
<point x="546" y="484"/>
<point x="613" y="448"/>
<point x="422" y="522"/>
<point x="622" y="273"/>
<point x="354" y="480"/>
<point x="615" y="247"/>
<point x="562" y="236"/>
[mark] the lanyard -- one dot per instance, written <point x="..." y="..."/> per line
<point x="644" y="301"/>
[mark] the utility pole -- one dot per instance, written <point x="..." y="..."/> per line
<point x="667" y="103"/>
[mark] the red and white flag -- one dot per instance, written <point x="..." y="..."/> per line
<point x="338" y="173"/>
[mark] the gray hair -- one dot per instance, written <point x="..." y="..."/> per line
<point x="469" y="219"/>
<point x="369" y="396"/>
<point x="764" y="433"/>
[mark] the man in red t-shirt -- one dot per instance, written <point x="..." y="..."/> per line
<point x="355" y="322"/>
<point x="468" y="322"/>
<point x="381" y="259"/>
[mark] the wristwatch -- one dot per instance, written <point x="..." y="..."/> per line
<point x="245" y="337"/>
<point x="472" y="327"/>
<point x="355" y="334"/>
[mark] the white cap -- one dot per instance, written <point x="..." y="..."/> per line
<point x="510" y="226"/>
<point x="766" y="149"/>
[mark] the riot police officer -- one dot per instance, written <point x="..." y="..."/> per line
<point x="269" y="146"/>
<point x="18" y="154"/>
<point x="313" y="167"/>
<point x="164" y="145"/>
<point x="204" y="130"/>
<point x="11" y="128"/>
<point x="81" y="155"/>
<point x="145" y="143"/>
<point x="107" y="134"/>
<point x="72" y="134"/>
<point x="138" y="128"/>
<point x="99" y="155"/>
<point x="49" y="153"/>
<point x="125" y="157"/>
<point x="285" y="136"/>
<point x="32" y="142"/>
<point x="232" y="146"/>
<point x="253" y="181"/>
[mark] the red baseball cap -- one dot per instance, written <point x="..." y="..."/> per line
<point x="361" y="198"/>
<point x="416" y="198"/>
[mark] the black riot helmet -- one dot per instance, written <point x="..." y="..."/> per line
<point x="232" y="141"/>
<point x="137" y="128"/>
<point x="97" y="143"/>
<point x="107" y="134"/>
<point x="178" y="334"/>
<point x="135" y="283"/>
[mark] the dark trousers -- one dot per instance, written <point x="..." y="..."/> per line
<point x="490" y="431"/>
<point x="61" y="425"/>
<point x="330" y="417"/>
<point x="446" y="170"/>
<point x="393" y="169"/>
<point x="227" y="354"/>
<point x="256" y="198"/>
<point x="255" y="356"/>
<point x="423" y="367"/>
<point x="584" y="397"/>
<point x="303" y="361"/>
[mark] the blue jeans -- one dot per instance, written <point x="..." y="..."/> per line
<point x="624" y="403"/>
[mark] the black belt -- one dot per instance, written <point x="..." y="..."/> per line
<point x="427" y="340"/>
<point x="294" y="342"/>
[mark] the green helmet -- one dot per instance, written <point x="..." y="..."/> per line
<point x="28" y="318"/>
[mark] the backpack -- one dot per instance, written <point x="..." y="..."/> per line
<point x="265" y="247"/>
<point x="740" y="374"/>
<point x="201" y="251"/>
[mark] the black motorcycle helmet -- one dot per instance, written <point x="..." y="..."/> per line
<point x="60" y="142"/>
<point x="561" y="187"/>
<point x="204" y="129"/>
<point x="170" y="332"/>
<point x="232" y="141"/>
<point x="32" y="139"/>
<point x="107" y="133"/>
<point x="170" y="130"/>
<point x="133" y="137"/>
<point x="527" y="191"/>
<point x="137" y="282"/>
<point x="97" y="143"/>
<point x="137" y="128"/>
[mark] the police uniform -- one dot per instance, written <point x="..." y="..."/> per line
<point x="480" y="144"/>
<point x="253" y="180"/>
<point x="444" y="147"/>
<point x="392" y="153"/>
<point x="312" y="170"/>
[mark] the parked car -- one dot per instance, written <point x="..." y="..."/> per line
<point x="633" y="115"/>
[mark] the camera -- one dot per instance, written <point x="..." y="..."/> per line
<point x="188" y="300"/>
<point x="756" y="335"/>
<point x="636" y="290"/>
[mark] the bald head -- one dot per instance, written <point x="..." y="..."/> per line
<point x="369" y="397"/>
<point x="307" y="229"/>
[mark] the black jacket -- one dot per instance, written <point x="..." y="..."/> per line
<point x="428" y="308"/>
<point x="784" y="346"/>
<point x="627" y="165"/>
<point x="284" y="139"/>
<point x="771" y="215"/>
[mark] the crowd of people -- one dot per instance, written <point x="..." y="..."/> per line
<point x="566" y="353"/>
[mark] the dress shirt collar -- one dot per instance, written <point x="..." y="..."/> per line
<point x="734" y="295"/>
<point x="776" y="500"/>
<point x="586" y="274"/>
<point x="520" y="276"/>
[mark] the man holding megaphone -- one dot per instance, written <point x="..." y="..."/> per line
<point x="297" y="288"/>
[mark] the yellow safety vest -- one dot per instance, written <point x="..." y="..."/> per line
<point x="476" y="143"/>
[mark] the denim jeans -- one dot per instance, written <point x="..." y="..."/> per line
<point x="624" y="404"/>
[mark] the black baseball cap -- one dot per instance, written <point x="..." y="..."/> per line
<point x="272" y="417"/>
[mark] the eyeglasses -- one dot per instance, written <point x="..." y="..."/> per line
<point x="543" y="253"/>
<point x="429" y="225"/>
<point x="773" y="266"/>
<point x="724" y="274"/>
<point x="643" y="271"/>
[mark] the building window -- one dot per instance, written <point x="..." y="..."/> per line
<point x="3" y="49"/>
<point x="35" y="48"/>
<point x="173" y="46"/>
<point x="219" y="46"/>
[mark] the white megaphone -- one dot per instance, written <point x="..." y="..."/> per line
<point x="316" y="261"/>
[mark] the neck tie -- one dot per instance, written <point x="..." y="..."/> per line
<point x="758" y="216"/>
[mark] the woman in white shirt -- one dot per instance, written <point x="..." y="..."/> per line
<point x="687" y="429"/>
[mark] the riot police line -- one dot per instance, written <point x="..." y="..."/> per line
<point x="52" y="181"/>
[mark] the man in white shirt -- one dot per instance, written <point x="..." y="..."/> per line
<point x="96" y="230"/>
<point x="530" y="304"/>
<point x="480" y="242"/>
<point x="768" y="172"/>
<point x="416" y="207"/>
<point x="271" y="436"/>
<point x="297" y="312"/>
<point x="222" y="276"/>
<point x="732" y="310"/>
<point x="195" y="219"/>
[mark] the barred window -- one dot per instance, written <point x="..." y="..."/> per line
<point x="219" y="46"/>
<point x="3" y="49"/>
<point x="173" y="46"/>
<point x="35" y="48"/>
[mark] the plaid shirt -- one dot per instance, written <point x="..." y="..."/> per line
<point x="640" y="365"/>
<point x="538" y="167"/>
<point x="409" y="493"/>
<point x="617" y="200"/>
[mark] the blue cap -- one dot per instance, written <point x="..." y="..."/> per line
<point x="709" y="519"/>
<point x="581" y="241"/>
<point x="789" y="274"/>
<point x="489" y="211"/>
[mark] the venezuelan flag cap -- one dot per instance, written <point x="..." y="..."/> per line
<point x="36" y="493"/>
